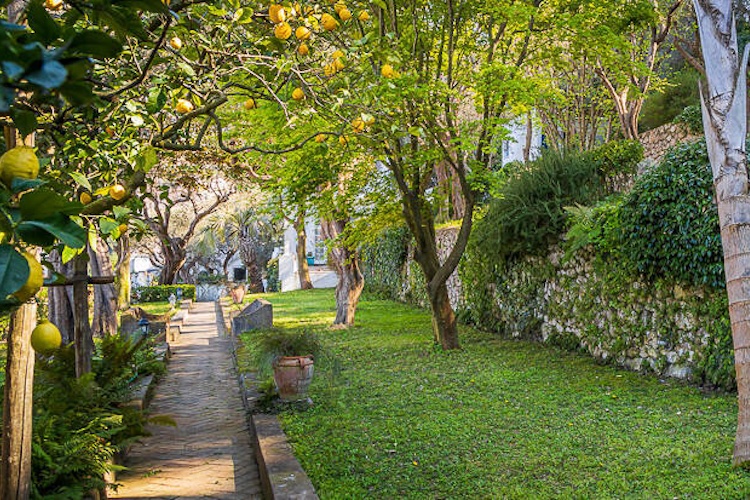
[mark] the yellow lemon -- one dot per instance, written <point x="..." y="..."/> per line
<point x="283" y="31"/>
<point x="345" y="14"/>
<point x="85" y="198"/>
<point x="34" y="282"/>
<point x="45" y="338"/>
<point x="358" y="125"/>
<point x="339" y="6"/>
<point x="175" y="43"/>
<point x="298" y="94"/>
<point x="303" y="49"/>
<point x="53" y="4"/>
<point x="277" y="13"/>
<point x="123" y="228"/>
<point x="328" y="22"/>
<point x="329" y="69"/>
<point x="320" y="138"/>
<point x="337" y="54"/>
<point x="184" y="106"/>
<point x="302" y="33"/>
<point x="250" y="104"/>
<point x="387" y="71"/>
<point x="343" y="140"/>
<point x="338" y="63"/>
<point x="364" y="16"/>
<point x="20" y="161"/>
<point x="117" y="192"/>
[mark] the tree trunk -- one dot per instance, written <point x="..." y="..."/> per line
<point x="305" y="282"/>
<point x="249" y="257"/>
<point x="527" y="141"/>
<point x="15" y="468"/>
<point x="174" y="258"/>
<point x="60" y="299"/>
<point x="105" y="296"/>
<point x="444" y="323"/>
<point x="725" y="125"/>
<point x="123" y="273"/>
<point x="351" y="282"/>
<point x="84" y="343"/>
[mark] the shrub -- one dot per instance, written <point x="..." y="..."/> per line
<point x="384" y="261"/>
<point x="160" y="293"/>
<point x="669" y="226"/>
<point x="272" y="276"/>
<point x="692" y="117"/>
<point x="617" y="158"/>
<point x="528" y="214"/>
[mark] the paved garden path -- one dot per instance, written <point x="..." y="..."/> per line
<point x="209" y="453"/>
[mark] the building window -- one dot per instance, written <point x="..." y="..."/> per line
<point x="240" y="274"/>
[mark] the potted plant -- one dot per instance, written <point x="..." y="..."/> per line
<point x="290" y="355"/>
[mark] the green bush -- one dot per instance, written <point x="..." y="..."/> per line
<point x="384" y="263"/>
<point x="528" y="214"/>
<point x="617" y="158"/>
<point x="272" y="276"/>
<point x="692" y="117"/>
<point x="161" y="293"/>
<point x="662" y="107"/>
<point x="669" y="226"/>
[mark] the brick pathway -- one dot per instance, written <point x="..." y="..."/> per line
<point x="209" y="453"/>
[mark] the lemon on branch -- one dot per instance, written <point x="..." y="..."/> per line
<point x="345" y="14"/>
<point x="34" y="282"/>
<point x="387" y="71"/>
<point x="184" y="106"/>
<point x="277" y="13"/>
<point x="85" y="198"/>
<point x="302" y="33"/>
<point x="303" y="49"/>
<point x="117" y="192"/>
<point x="328" y="22"/>
<point x="45" y="338"/>
<point x="53" y="4"/>
<point x="20" y="161"/>
<point x="320" y="138"/>
<point x="250" y="104"/>
<point x="175" y="43"/>
<point x="282" y="31"/>
<point x="298" y="94"/>
<point x="364" y="16"/>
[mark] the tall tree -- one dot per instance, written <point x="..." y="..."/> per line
<point x="724" y="104"/>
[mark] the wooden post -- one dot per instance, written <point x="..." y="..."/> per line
<point x="84" y="343"/>
<point x="15" y="468"/>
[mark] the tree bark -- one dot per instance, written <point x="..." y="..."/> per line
<point x="175" y="256"/>
<point x="123" y="273"/>
<point x="444" y="324"/>
<point x="305" y="282"/>
<point x="351" y="282"/>
<point x="15" y="468"/>
<point x="60" y="299"/>
<point x="725" y="125"/>
<point x="105" y="296"/>
<point x="84" y="343"/>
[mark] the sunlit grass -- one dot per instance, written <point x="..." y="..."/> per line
<point x="497" y="419"/>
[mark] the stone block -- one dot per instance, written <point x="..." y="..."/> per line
<point x="259" y="314"/>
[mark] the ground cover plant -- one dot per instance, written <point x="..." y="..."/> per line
<point x="497" y="419"/>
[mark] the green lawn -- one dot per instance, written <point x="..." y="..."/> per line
<point x="157" y="308"/>
<point x="498" y="419"/>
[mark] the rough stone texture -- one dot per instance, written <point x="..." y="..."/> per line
<point x="209" y="293"/>
<point x="259" y="314"/>
<point x="637" y="326"/>
<point x="656" y="142"/>
<point x="281" y="473"/>
<point x="209" y="454"/>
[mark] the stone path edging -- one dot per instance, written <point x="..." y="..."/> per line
<point x="281" y="474"/>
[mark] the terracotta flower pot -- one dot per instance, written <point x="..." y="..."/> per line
<point x="293" y="375"/>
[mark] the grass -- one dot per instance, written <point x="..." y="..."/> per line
<point x="497" y="419"/>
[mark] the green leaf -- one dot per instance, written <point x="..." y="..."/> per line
<point x="25" y="121"/>
<point x="81" y="180"/>
<point x="77" y="93"/>
<point x="120" y="212"/>
<point x="69" y="254"/>
<point x="95" y="43"/>
<point x="14" y="270"/>
<point x="19" y="184"/>
<point x="44" y="203"/>
<point x="58" y="226"/>
<point x="108" y="225"/>
<point x="42" y="23"/>
<point x="146" y="159"/>
<point x="51" y="75"/>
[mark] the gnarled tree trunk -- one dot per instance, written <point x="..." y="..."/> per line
<point x="725" y="124"/>
<point x="105" y="296"/>
<point x="351" y="282"/>
<point x="305" y="282"/>
<point x="60" y="299"/>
